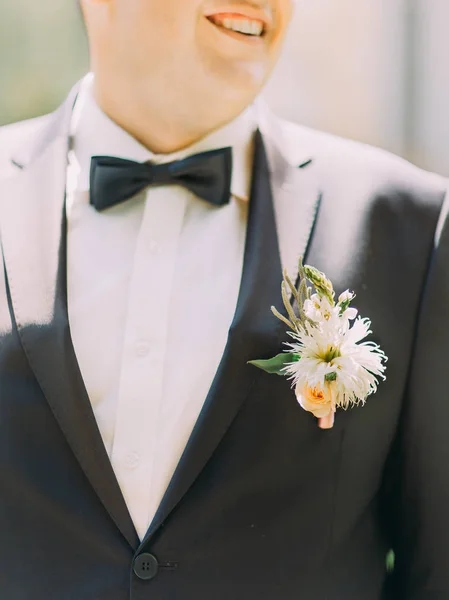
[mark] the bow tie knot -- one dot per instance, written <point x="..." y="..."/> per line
<point x="114" y="180"/>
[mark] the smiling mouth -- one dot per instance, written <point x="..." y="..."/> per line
<point x="239" y="26"/>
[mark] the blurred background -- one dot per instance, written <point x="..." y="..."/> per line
<point x="372" y="70"/>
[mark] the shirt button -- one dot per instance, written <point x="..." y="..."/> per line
<point x="132" y="460"/>
<point x="142" y="348"/>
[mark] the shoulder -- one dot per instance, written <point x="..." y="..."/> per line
<point x="347" y="166"/>
<point x="15" y="136"/>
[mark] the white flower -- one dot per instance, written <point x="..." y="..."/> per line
<point x="346" y="296"/>
<point x="344" y="300"/>
<point x="336" y="368"/>
<point x="321" y="311"/>
<point x="318" y="308"/>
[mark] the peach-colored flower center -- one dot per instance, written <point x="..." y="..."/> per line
<point x="316" y="396"/>
<point x="315" y="400"/>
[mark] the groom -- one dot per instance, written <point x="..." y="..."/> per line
<point x="144" y="228"/>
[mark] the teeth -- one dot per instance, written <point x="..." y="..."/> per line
<point x="243" y="26"/>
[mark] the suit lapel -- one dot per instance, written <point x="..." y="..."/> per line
<point x="254" y="332"/>
<point x="33" y="237"/>
<point x="294" y="180"/>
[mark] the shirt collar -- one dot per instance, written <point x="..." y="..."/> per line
<point x="94" y="133"/>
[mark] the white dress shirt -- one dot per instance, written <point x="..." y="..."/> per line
<point x="152" y="289"/>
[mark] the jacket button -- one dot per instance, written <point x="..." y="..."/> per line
<point x="146" y="566"/>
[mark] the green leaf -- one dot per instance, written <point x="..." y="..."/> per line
<point x="275" y="365"/>
<point x="390" y="560"/>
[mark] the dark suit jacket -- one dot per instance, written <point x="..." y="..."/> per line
<point x="264" y="505"/>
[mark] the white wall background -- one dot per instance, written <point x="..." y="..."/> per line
<point x="430" y="118"/>
<point x="374" y="70"/>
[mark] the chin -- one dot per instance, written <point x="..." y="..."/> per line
<point x="244" y="79"/>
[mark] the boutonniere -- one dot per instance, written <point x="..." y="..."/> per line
<point x="330" y="364"/>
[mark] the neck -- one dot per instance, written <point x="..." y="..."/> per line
<point x="160" y="130"/>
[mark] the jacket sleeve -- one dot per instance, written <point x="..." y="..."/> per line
<point x="416" y="489"/>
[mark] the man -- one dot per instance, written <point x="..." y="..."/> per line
<point x="140" y="455"/>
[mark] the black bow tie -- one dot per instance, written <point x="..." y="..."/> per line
<point x="114" y="180"/>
